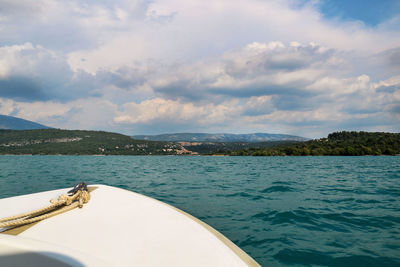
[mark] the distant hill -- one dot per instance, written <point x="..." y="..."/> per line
<point x="223" y="137"/>
<point x="13" y="123"/>
<point x="77" y="142"/>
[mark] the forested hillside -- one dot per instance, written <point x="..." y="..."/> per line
<point x="338" y="143"/>
<point x="75" y="142"/>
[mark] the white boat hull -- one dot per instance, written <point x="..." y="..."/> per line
<point x="119" y="228"/>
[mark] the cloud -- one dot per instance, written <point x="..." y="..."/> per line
<point x="21" y="88"/>
<point x="257" y="106"/>
<point x="257" y="69"/>
<point x="67" y="26"/>
<point x="89" y="113"/>
<point x="368" y="106"/>
<point x="34" y="73"/>
<point x="393" y="57"/>
<point x="238" y="89"/>
<point x="168" y="65"/>
<point x="388" y="92"/>
<point x="175" y="112"/>
<point x="99" y="35"/>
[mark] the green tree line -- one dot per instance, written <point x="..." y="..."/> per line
<point x="336" y="144"/>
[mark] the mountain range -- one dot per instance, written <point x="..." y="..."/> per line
<point x="13" y="123"/>
<point x="220" y="137"/>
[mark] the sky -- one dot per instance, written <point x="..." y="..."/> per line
<point x="302" y="67"/>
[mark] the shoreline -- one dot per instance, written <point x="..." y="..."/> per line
<point x="205" y="155"/>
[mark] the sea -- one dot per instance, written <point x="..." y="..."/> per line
<point x="283" y="211"/>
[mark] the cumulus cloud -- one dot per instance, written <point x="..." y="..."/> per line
<point x="293" y="75"/>
<point x="223" y="65"/>
<point x="176" y="112"/>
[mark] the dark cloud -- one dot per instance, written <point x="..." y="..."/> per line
<point x="286" y="64"/>
<point x="395" y="108"/>
<point x="124" y="78"/>
<point x="295" y="58"/>
<point x="182" y="89"/>
<point x="270" y="61"/>
<point x="39" y="88"/>
<point x="252" y="91"/>
<point x="388" y="89"/>
<point x="22" y="89"/>
<point x="39" y="74"/>
<point x="349" y="109"/>
<point x="257" y="110"/>
<point x="393" y="56"/>
<point x="289" y="89"/>
<point x="295" y="102"/>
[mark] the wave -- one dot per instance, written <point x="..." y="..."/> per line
<point x="264" y="242"/>
<point x="277" y="188"/>
<point x="313" y="257"/>
<point x="243" y="194"/>
<point x="343" y="222"/>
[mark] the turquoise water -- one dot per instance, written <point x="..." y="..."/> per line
<point x="336" y="211"/>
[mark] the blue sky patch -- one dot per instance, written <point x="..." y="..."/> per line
<point x="371" y="12"/>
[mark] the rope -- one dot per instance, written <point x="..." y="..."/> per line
<point x="62" y="204"/>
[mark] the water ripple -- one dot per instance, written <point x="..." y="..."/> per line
<point x="314" y="257"/>
<point x="277" y="188"/>
<point x="330" y="211"/>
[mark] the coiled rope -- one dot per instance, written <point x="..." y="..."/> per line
<point x="79" y="195"/>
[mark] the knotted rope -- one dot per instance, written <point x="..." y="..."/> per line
<point x="79" y="195"/>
